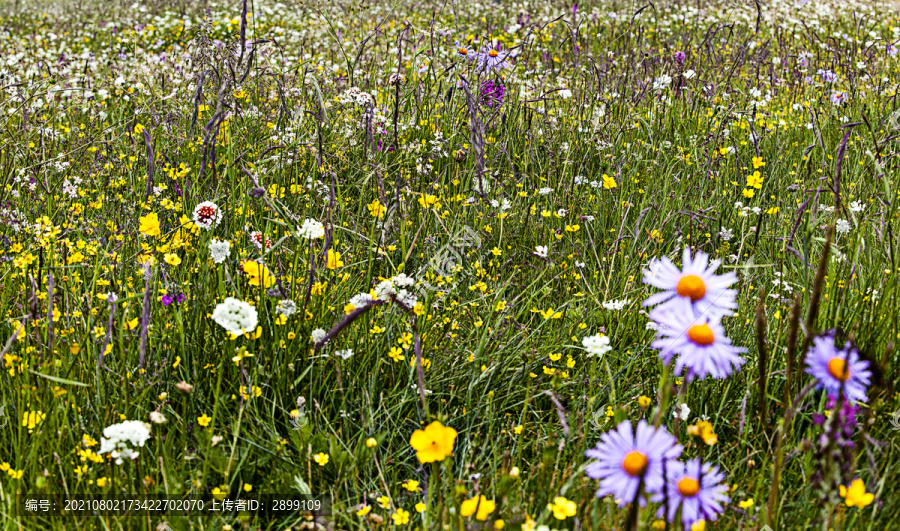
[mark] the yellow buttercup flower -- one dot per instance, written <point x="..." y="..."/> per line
<point x="150" y="225"/>
<point x="856" y="495"/>
<point x="562" y="508"/>
<point x="258" y="274"/>
<point x="434" y="443"/>
<point x="334" y="260"/>
<point x="480" y="506"/>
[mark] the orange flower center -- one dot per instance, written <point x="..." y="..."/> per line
<point x="635" y="463"/>
<point x="837" y="367"/>
<point x="691" y="286"/>
<point x="493" y="53"/>
<point x="463" y="51"/>
<point x="688" y="487"/>
<point x="701" y="334"/>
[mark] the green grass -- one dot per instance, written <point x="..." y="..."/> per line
<point x="516" y="384"/>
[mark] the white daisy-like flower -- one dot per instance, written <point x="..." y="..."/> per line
<point x="312" y="229"/>
<point x="236" y="316"/>
<point x="695" y="289"/>
<point x="541" y="250"/>
<point x="699" y="342"/>
<point x="207" y="215"/>
<point x="344" y="354"/>
<point x="682" y="412"/>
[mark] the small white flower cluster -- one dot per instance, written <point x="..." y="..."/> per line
<point x="396" y="286"/>
<point x="344" y="354"/>
<point x="596" y="345"/>
<point x="360" y="299"/>
<point x="354" y="95"/>
<point x="312" y="229"/>
<point x="318" y="335"/>
<point x="616" y="305"/>
<point x="219" y="250"/>
<point x="286" y="307"/>
<point x="236" y="316"/>
<point x="117" y="438"/>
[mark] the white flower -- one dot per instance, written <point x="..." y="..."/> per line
<point x="545" y="190"/>
<point x="541" y="250"/>
<point x="207" y="215"/>
<point x="596" y="345"/>
<point x="344" y="354"/>
<point x="236" y="316"/>
<point x="286" y="307"/>
<point x="579" y="264"/>
<point x="662" y="82"/>
<point x="682" y="412"/>
<point x="726" y="234"/>
<point x="565" y="94"/>
<point x="562" y="212"/>
<point x="117" y="437"/>
<point x="318" y="335"/>
<point x="857" y="206"/>
<point x="219" y="250"/>
<point x="689" y="74"/>
<point x="842" y="226"/>
<point x="312" y="229"/>
<point x="157" y="418"/>
<point x="616" y="305"/>
<point x="360" y="299"/>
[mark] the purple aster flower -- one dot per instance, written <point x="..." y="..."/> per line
<point x="492" y="93"/>
<point x="838" y="368"/>
<point x="892" y="50"/>
<point x="700" y="343"/>
<point x="695" y="285"/>
<point x="492" y="59"/>
<point x="698" y="489"/>
<point x="464" y="52"/>
<point x="624" y="459"/>
<point x="838" y="97"/>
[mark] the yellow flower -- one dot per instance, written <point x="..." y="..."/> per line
<point x="172" y="259"/>
<point x="334" y="260"/>
<point x="371" y="442"/>
<point x="549" y="313"/>
<point x="704" y="430"/>
<point x="420" y="507"/>
<point x="204" y="420"/>
<point x="321" y="459"/>
<point x="427" y="200"/>
<point x="644" y="401"/>
<point x="483" y="505"/>
<point x="101" y="482"/>
<point x="608" y="182"/>
<point x="364" y="510"/>
<point x="699" y="525"/>
<point x="401" y="517"/>
<point x="856" y="495"/>
<point x="434" y="443"/>
<point x="746" y="504"/>
<point x="562" y="508"/>
<point x="150" y="225"/>
<point x="376" y="209"/>
<point x="32" y="418"/>
<point x="411" y="485"/>
<point x="258" y="274"/>
<point x="383" y="501"/>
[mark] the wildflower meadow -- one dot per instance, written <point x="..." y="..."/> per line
<point x="449" y="265"/>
